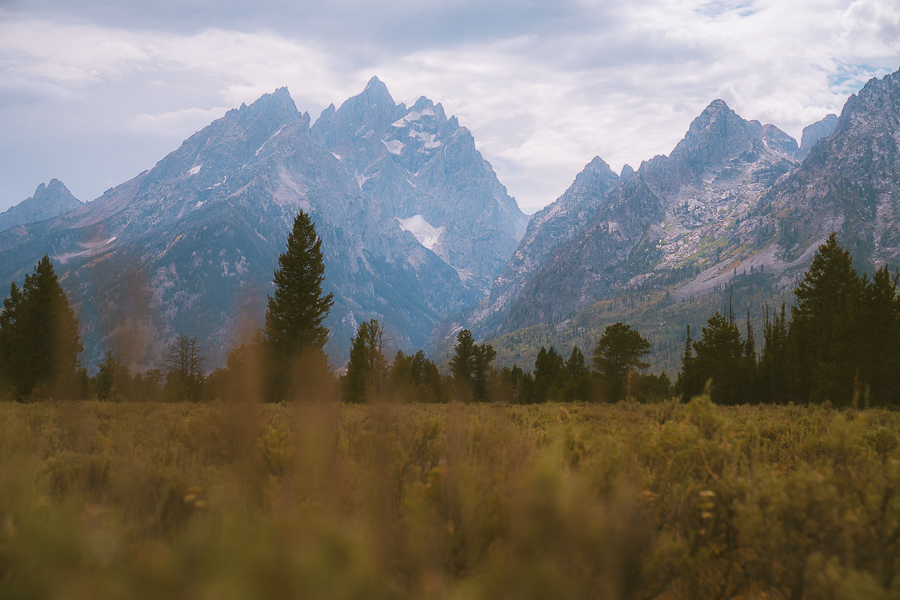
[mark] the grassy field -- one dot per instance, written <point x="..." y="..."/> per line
<point x="104" y="500"/>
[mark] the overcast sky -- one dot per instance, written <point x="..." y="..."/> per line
<point x="93" y="92"/>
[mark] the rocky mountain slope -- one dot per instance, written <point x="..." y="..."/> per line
<point x="664" y="222"/>
<point x="815" y="132"/>
<point x="424" y="169"/>
<point x="190" y="245"/>
<point x="732" y="212"/>
<point x="49" y="200"/>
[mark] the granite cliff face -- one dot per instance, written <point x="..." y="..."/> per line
<point x="815" y="132"/>
<point x="48" y="201"/>
<point x="849" y="183"/>
<point x="190" y="245"/>
<point x="424" y="169"/>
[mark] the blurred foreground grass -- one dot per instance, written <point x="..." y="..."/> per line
<point x="102" y="500"/>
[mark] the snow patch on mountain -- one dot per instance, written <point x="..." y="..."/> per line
<point x="267" y="141"/>
<point x="194" y="170"/>
<point x="427" y="234"/>
<point x="393" y="146"/>
<point x="414" y="115"/>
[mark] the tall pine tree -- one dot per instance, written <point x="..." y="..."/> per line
<point x="719" y="357"/>
<point x="821" y="339"/>
<point x="39" y="338"/>
<point x="294" y="334"/>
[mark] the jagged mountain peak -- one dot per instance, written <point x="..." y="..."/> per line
<point x="719" y="138"/>
<point x="879" y="98"/>
<point x="277" y="106"/>
<point x="599" y="165"/>
<point x="49" y="200"/>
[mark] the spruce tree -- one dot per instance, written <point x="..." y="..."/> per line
<point x="578" y="376"/>
<point x="619" y="352"/>
<point x="462" y="365"/>
<point x="774" y="367"/>
<point x="549" y="375"/>
<point x="471" y="366"/>
<point x="10" y="341"/>
<point x="39" y="340"/>
<point x="822" y="345"/>
<point x="878" y="340"/>
<point x="367" y="367"/>
<point x="719" y="357"/>
<point x="688" y="383"/>
<point x="294" y="332"/>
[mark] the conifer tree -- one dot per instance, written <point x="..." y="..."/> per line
<point x="471" y="366"/>
<point x="578" y="376"/>
<point x="822" y="346"/>
<point x="367" y="367"/>
<point x="549" y="375"/>
<point x="10" y="340"/>
<point x="462" y="365"/>
<point x="878" y="340"/>
<point x="774" y="365"/>
<point x="294" y="330"/>
<point x="619" y="352"/>
<point x="415" y="378"/>
<point x="39" y="337"/>
<point x="719" y="357"/>
<point x="688" y="383"/>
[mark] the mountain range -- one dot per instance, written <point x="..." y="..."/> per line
<point x="418" y="232"/>
<point x="413" y="220"/>
<point x="734" y="199"/>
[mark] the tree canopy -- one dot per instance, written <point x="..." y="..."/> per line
<point x="619" y="352"/>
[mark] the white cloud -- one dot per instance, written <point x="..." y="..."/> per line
<point x="542" y="94"/>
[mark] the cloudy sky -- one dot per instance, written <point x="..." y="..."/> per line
<point x="94" y="92"/>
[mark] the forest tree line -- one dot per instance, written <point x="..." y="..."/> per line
<point x="840" y="344"/>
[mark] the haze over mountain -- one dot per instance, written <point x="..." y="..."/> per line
<point x="47" y="202"/>
<point x="190" y="245"/>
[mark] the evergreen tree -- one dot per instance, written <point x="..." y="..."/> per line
<point x="294" y="332"/>
<point x="11" y="340"/>
<point x="484" y="356"/>
<point x="878" y="340"/>
<point x="518" y="386"/>
<point x="619" y="352"/>
<point x="39" y="338"/>
<point x="719" y="357"/>
<point x="578" y="376"/>
<point x="113" y="381"/>
<point x="415" y="378"/>
<point x="689" y="382"/>
<point x="821" y="342"/>
<point x="367" y="367"/>
<point x="471" y="366"/>
<point x="549" y="375"/>
<point x="462" y="365"/>
<point x="774" y="384"/>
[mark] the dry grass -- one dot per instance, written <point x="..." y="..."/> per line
<point x="102" y="500"/>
